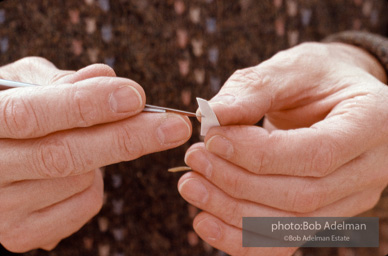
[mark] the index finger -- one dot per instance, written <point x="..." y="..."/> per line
<point x="349" y="130"/>
<point x="78" y="151"/>
<point x="40" y="110"/>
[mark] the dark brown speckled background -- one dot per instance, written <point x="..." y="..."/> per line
<point x="177" y="50"/>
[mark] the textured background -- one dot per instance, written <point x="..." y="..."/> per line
<point x="177" y="50"/>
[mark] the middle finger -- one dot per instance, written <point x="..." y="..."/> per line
<point x="34" y="195"/>
<point x="195" y="189"/>
<point x="289" y="193"/>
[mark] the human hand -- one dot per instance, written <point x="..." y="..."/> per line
<point x="322" y="151"/>
<point x="53" y="138"/>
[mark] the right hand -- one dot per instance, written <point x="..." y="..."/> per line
<point x="321" y="153"/>
<point x="54" y="138"/>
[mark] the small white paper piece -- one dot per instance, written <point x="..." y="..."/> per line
<point x="209" y="118"/>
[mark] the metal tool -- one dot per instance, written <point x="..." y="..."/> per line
<point x="7" y="84"/>
<point x="157" y="109"/>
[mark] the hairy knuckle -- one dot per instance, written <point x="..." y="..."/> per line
<point x="54" y="158"/>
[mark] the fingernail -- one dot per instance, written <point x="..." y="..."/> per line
<point x="208" y="229"/>
<point x="198" y="160"/>
<point x="225" y="99"/>
<point x="194" y="191"/>
<point x="220" y="146"/>
<point x="125" y="99"/>
<point x="173" y="129"/>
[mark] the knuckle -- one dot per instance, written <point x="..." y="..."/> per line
<point x="84" y="110"/>
<point x="263" y="163"/>
<point x="129" y="144"/>
<point x="322" y="160"/>
<point x="19" y="118"/>
<point x="313" y="49"/>
<point x="248" y="77"/>
<point x="308" y="46"/>
<point x="302" y="55"/>
<point x="233" y="213"/>
<point x="307" y="198"/>
<point x="31" y="61"/>
<point x="232" y="183"/>
<point x="54" y="158"/>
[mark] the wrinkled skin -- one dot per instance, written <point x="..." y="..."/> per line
<point x="53" y="139"/>
<point x="322" y="150"/>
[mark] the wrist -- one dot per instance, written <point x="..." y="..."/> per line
<point x="374" y="44"/>
<point x="359" y="57"/>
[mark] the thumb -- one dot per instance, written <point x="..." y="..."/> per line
<point x="290" y="79"/>
<point x="245" y="97"/>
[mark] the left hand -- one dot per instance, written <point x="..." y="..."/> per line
<point x="322" y="151"/>
<point x="53" y="139"/>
